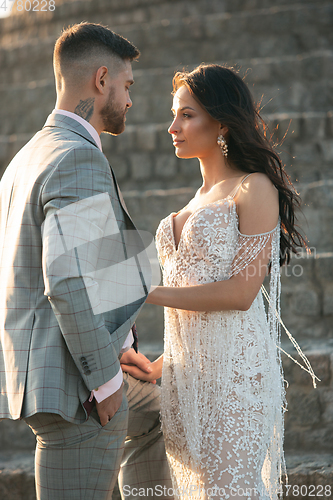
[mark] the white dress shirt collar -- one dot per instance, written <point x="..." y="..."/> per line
<point x="92" y="131"/>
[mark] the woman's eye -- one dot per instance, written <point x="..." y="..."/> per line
<point x="186" y="115"/>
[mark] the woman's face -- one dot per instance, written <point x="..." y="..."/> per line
<point x="194" y="131"/>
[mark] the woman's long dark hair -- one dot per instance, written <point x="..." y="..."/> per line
<point x="228" y="100"/>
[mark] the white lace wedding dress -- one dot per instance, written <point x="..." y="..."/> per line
<point x="222" y="383"/>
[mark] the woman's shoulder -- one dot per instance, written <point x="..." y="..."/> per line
<point x="258" y="203"/>
<point x="258" y="182"/>
<point x="257" y="188"/>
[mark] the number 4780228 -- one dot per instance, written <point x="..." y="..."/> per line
<point x="27" y="5"/>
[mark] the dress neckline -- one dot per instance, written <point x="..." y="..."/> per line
<point x="173" y="214"/>
<point x="233" y="204"/>
<point x="231" y="196"/>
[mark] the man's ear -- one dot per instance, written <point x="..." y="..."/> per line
<point x="100" y="79"/>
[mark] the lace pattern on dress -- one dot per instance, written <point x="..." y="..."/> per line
<point x="223" y="395"/>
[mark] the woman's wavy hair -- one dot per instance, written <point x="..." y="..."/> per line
<point x="227" y="99"/>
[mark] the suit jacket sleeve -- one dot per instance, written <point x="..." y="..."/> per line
<point x="77" y="199"/>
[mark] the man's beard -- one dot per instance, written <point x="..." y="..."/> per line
<point x="113" y="117"/>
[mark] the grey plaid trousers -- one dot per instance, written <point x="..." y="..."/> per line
<point x="81" y="462"/>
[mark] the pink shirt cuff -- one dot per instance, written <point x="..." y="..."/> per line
<point x="110" y="387"/>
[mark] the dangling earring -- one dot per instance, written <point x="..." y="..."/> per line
<point x="223" y="145"/>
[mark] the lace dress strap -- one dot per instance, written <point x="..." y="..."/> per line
<point x="234" y="191"/>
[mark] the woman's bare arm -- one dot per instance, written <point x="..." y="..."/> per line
<point x="258" y="213"/>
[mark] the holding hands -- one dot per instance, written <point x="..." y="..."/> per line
<point x="137" y="365"/>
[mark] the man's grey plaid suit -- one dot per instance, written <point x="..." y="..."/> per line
<point x="54" y="349"/>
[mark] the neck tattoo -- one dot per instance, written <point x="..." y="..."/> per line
<point x="85" y="108"/>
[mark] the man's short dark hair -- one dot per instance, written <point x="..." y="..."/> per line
<point x="84" y="39"/>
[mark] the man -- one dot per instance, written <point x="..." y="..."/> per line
<point x="63" y="225"/>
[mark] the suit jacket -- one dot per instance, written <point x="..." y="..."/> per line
<point x="54" y="347"/>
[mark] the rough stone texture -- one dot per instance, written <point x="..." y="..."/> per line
<point x="309" y="476"/>
<point x="17" y="476"/>
<point x="16" y="436"/>
<point x="284" y="47"/>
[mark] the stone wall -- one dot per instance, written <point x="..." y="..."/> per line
<point x="285" y="49"/>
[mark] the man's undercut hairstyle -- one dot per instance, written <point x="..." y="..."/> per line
<point x="89" y="42"/>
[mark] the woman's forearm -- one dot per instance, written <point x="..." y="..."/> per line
<point x="216" y="296"/>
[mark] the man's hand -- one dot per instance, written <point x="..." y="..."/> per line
<point x="109" y="406"/>
<point x="137" y="365"/>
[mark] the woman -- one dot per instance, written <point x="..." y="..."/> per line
<point x="222" y="384"/>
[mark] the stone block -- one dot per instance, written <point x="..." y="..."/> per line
<point x="317" y="225"/>
<point x="170" y="10"/>
<point x="141" y="166"/>
<point x="146" y="138"/>
<point x="305" y="152"/>
<point x="284" y="152"/>
<point x="318" y="327"/>
<point x="326" y="397"/>
<point x="306" y="302"/>
<point x="258" y="72"/>
<point x="303" y="409"/>
<point x="321" y="365"/>
<point x="286" y="296"/>
<point x="327" y="149"/>
<point x="305" y="173"/>
<point x="319" y="438"/>
<point x="310" y="475"/>
<point x="329" y="124"/>
<point x="149" y="207"/>
<point x="328" y="300"/>
<point x="300" y="270"/>
<point x="289" y="128"/>
<point x="138" y="16"/>
<point x="318" y="195"/>
<point x="150" y="325"/>
<point x="16" y="435"/>
<point x="264" y="27"/>
<point x="126" y="140"/>
<point x="28" y="61"/>
<point x="119" y="164"/>
<point x="165" y="165"/>
<point x="17" y="480"/>
<point x="286" y="70"/>
<point x="313" y="126"/>
<point x="320" y="362"/>
<point x="36" y="100"/>
<point x="4" y="149"/>
<point x="324" y="268"/>
<point x="109" y="144"/>
<point x="164" y="139"/>
<point x="190" y="168"/>
<point x="292" y="439"/>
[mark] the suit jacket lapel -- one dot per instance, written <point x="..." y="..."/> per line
<point x="65" y="122"/>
